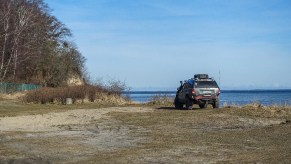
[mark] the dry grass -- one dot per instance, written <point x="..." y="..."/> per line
<point x="17" y="107"/>
<point x="249" y="134"/>
<point x="258" y="110"/>
<point x="161" y="100"/>
<point x="12" y="96"/>
<point x="16" y="104"/>
<point x="204" y="136"/>
<point x="59" y="95"/>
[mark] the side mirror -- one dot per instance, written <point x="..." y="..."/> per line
<point x="181" y="82"/>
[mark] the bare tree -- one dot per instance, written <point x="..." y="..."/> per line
<point x="34" y="45"/>
<point x="5" y="16"/>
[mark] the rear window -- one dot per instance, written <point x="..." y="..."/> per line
<point x="206" y="84"/>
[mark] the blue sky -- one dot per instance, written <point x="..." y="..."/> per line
<point x="153" y="44"/>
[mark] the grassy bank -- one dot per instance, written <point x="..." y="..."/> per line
<point x="17" y="104"/>
<point x="14" y="104"/>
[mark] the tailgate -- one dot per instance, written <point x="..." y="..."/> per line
<point x="206" y="91"/>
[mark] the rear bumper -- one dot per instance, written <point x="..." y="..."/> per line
<point x="205" y="99"/>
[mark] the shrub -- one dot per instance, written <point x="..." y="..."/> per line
<point x="116" y="87"/>
<point x="59" y="95"/>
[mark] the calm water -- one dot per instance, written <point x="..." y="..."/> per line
<point x="266" y="97"/>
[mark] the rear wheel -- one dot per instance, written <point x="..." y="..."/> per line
<point x="178" y="104"/>
<point x="203" y="105"/>
<point x="189" y="103"/>
<point x="216" y="104"/>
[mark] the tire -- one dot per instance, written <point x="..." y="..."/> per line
<point x="216" y="104"/>
<point x="189" y="103"/>
<point x="203" y="105"/>
<point x="178" y="105"/>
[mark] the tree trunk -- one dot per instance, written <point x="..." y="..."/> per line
<point x="6" y="18"/>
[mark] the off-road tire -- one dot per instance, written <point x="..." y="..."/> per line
<point x="178" y="105"/>
<point x="216" y="104"/>
<point x="189" y="103"/>
<point x="204" y="105"/>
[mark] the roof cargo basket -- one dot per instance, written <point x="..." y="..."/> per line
<point x="201" y="76"/>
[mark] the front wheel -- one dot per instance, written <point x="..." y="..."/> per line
<point x="189" y="103"/>
<point x="177" y="103"/>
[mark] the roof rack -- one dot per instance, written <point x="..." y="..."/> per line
<point x="201" y="76"/>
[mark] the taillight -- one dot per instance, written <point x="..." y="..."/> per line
<point x="193" y="91"/>
<point x="218" y="92"/>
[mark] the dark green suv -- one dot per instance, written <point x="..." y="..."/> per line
<point x="200" y="90"/>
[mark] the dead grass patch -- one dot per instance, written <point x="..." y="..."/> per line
<point x="12" y="96"/>
<point x="161" y="100"/>
<point x="205" y="136"/>
<point x="258" y="110"/>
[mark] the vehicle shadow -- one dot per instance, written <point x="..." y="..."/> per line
<point x="173" y="108"/>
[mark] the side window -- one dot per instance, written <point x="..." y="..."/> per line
<point x="186" y="86"/>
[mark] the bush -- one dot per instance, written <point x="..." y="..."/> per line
<point x="90" y="92"/>
<point x="59" y="95"/>
<point x="116" y="87"/>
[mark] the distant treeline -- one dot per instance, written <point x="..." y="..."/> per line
<point x="35" y="46"/>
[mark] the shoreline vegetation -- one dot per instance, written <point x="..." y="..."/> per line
<point x="87" y="93"/>
<point x="87" y="96"/>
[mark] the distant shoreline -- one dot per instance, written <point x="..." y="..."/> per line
<point x="223" y="91"/>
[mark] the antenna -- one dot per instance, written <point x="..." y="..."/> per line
<point x="219" y="77"/>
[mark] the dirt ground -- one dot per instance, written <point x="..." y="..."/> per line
<point x="148" y="135"/>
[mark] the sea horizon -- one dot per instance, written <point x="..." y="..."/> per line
<point x="240" y="97"/>
<point x="222" y="90"/>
